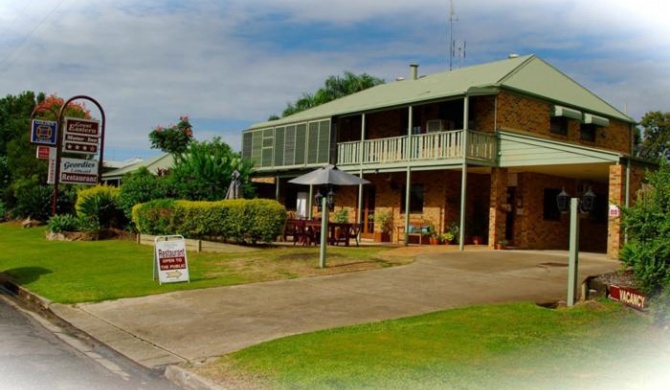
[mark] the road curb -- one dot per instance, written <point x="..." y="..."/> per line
<point x="42" y="306"/>
<point x="189" y="380"/>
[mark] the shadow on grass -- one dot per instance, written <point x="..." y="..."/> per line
<point x="23" y="275"/>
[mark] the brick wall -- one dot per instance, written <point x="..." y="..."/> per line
<point x="534" y="116"/>
<point x="617" y="196"/>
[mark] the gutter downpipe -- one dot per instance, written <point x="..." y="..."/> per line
<point x="464" y="174"/>
<point x="408" y="177"/>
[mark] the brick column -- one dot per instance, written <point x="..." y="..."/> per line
<point x="497" y="206"/>
<point x="617" y="195"/>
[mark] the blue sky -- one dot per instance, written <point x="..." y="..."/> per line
<point x="229" y="63"/>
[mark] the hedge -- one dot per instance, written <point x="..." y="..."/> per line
<point x="241" y="220"/>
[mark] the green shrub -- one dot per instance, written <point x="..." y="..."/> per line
<point x="63" y="223"/>
<point x="32" y="200"/>
<point x="647" y="252"/>
<point x="139" y="187"/>
<point x="97" y="207"/>
<point x="3" y="211"/>
<point x="242" y="220"/>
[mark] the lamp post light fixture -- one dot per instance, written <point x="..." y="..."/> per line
<point x="330" y="200"/>
<point x="576" y="206"/>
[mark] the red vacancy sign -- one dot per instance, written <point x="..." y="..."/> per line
<point x="628" y="296"/>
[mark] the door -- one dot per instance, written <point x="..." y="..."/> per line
<point x="511" y="211"/>
<point x="368" y="212"/>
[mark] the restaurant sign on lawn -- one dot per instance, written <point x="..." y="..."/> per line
<point x="170" y="263"/>
<point x="78" y="171"/>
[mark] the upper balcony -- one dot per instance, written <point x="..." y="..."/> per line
<point x="445" y="147"/>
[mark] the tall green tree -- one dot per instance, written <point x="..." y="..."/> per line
<point x="27" y="172"/>
<point x="334" y="87"/>
<point x="647" y="251"/>
<point x="655" y="135"/>
<point x="173" y="139"/>
<point x="204" y="171"/>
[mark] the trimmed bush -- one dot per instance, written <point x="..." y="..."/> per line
<point x="241" y="220"/>
<point x="97" y="207"/>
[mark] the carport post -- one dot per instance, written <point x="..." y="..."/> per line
<point x="573" y="262"/>
<point x="324" y="232"/>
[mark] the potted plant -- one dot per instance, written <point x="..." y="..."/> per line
<point x="340" y="216"/>
<point x="478" y="232"/>
<point x="433" y="237"/>
<point x="384" y="224"/>
<point x="501" y="244"/>
<point x="447" y="237"/>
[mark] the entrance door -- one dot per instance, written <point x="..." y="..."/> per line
<point x="511" y="211"/>
<point x="368" y="212"/>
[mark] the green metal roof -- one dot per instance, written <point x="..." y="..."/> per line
<point x="165" y="161"/>
<point x="526" y="74"/>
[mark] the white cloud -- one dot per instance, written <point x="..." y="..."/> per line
<point x="237" y="62"/>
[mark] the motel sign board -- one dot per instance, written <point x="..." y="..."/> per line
<point x="81" y="136"/>
<point x="43" y="132"/>
<point x="78" y="171"/>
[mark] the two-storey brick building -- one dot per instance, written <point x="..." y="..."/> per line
<point x="487" y="148"/>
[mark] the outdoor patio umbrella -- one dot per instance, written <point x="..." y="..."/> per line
<point x="234" y="187"/>
<point x="328" y="175"/>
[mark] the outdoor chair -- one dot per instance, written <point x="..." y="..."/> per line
<point x="355" y="232"/>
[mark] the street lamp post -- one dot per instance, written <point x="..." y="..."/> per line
<point x="577" y="205"/>
<point x="324" y="204"/>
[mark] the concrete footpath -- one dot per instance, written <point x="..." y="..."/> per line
<point x="191" y="326"/>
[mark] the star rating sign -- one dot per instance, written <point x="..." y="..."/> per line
<point x="74" y="147"/>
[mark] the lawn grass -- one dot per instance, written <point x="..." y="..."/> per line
<point x="514" y="346"/>
<point x="91" y="271"/>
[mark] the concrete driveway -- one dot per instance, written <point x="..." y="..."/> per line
<point x="194" y="325"/>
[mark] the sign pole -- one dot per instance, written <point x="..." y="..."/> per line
<point x="59" y="144"/>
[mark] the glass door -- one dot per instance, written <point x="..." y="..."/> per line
<point x="368" y="212"/>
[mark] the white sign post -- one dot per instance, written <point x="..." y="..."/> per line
<point x="170" y="262"/>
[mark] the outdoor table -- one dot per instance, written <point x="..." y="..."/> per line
<point x="337" y="232"/>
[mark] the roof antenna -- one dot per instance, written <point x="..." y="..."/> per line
<point x="456" y="48"/>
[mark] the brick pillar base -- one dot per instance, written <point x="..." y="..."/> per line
<point x="497" y="206"/>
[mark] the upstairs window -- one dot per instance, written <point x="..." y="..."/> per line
<point x="559" y="125"/>
<point x="587" y="132"/>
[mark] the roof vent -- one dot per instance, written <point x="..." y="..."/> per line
<point x="512" y="55"/>
<point x="413" y="71"/>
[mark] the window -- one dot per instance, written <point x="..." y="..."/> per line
<point x="415" y="199"/>
<point x="551" y="212"/>
<point x="559" y="125"/>
<point x="587" y="132"/>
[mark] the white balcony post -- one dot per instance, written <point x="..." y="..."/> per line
<point x="464" y="175"/>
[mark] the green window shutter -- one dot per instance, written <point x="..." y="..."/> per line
<point x="313" y="143"/>
<point x="246" y="145"/>
<point x="289" y="145"/>
<point x="256" y="147"/>
<point x="300" y="143"/>
<point x="279" y="146"/>
<point x="268" y="141"/>
<point x="324" y="142"/>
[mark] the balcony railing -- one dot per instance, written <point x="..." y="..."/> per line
<point x="443" y="145"/>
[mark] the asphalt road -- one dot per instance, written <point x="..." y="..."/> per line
<point x="35" y="354"/>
